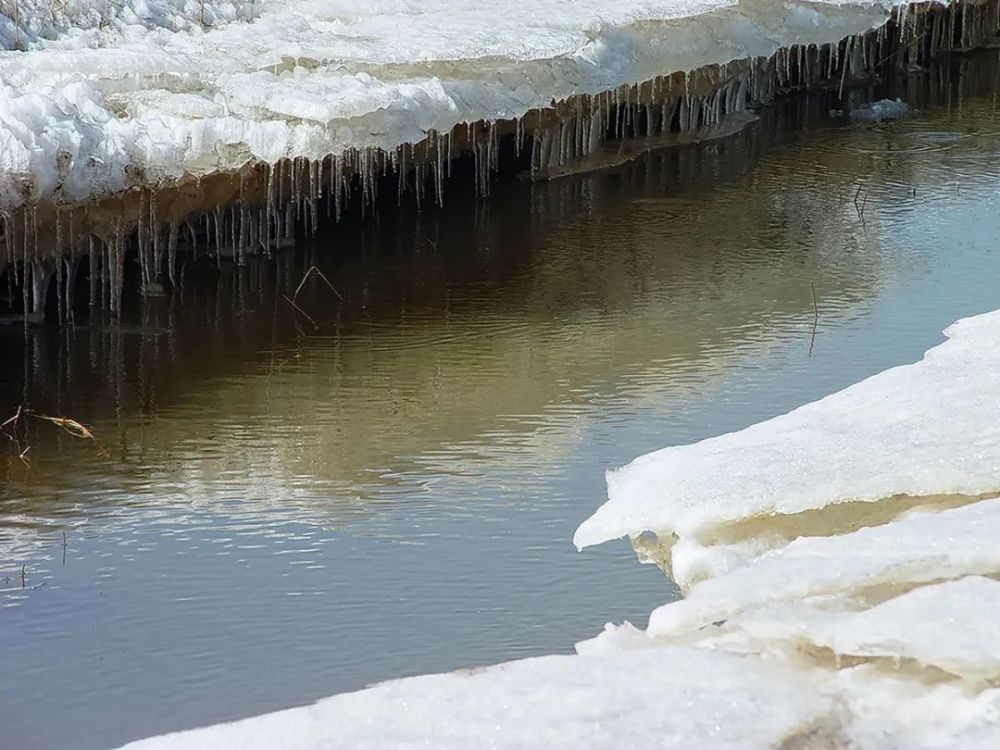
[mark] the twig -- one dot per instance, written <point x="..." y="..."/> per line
<point x="812" y="339"/>
<point x="74" y="428"/>
<point x="313" y="270"/>
<point x="13" y="421"/>
<point x="861" y="208"/>
<point x="291" y="302"/>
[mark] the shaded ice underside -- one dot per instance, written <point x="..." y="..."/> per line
<point x="137" y="92"/>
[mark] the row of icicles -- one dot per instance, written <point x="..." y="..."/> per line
<point x="268" y="212"/>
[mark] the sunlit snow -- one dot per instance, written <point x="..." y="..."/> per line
<point x="115" y="94"/>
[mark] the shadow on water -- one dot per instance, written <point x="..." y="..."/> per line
<point x="292" y="510"/>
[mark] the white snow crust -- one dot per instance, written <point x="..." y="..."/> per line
<point x="109" y="95"/>
<point x="610" y="701"/>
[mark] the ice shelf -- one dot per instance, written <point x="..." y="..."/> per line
<point x="148" y="129"/>
<point x="923" y="430"/>
<point x="100" y="97"/>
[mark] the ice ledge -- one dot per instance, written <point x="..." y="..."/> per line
<point x="311" y="80"/>
<point x="929" y="428"/>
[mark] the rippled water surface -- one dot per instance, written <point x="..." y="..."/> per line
<point x="290" y="511"/>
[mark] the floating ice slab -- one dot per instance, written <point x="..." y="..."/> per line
<point x="676" y="697"/>
<point x="143" y="92"/>
<point x="918" y="549"/>
<point x="952" y="626"/>
<point x="929" y="428"/>
<point x="881" y="111"/>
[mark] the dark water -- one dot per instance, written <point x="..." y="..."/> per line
<point x="290" y="512"/>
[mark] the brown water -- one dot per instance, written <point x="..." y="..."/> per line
<point x="290" y="512"/>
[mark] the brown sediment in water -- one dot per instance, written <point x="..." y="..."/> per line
<point x="265" y="206"/>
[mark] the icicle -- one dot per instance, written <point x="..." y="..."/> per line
<point x="288" y="235"/>
<point x="843" y="72"/>
<point x="491" y="152"/>
<point x="8" y="243"/>
<point x="297" y="188"/>
<point x="72" y="264"/>
<point x="106" y="273"/>
<point x="93" y="271"/>
<point x="219" y="229"/>
<point x="26" y="271"/>
<point x="156" y="272"/>
<point x="337" y="192"/>
<point x="314" y="195"/>
<point x="60" y="308"/>
<point x="143" y="260"/>
<point x="419" y="176"/>
<point x="34" y="230"/>
<point x="194" y="239"/>
<point x="281" y="183"/>
<point x="172" y="253"/>
<point x="268" y="204"/>
<point x="232" y="245"/>
<point x="119" y="271"/>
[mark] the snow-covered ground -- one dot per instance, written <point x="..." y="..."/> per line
<point x="98" y="96"/>
<point x="848" y="599"/>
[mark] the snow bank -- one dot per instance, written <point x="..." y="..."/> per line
<point x="141" y="92"/>
<point x="612" y="701"/>
<point x="36" y="23"/>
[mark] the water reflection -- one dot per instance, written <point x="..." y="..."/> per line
<point x="291" y="511"/>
